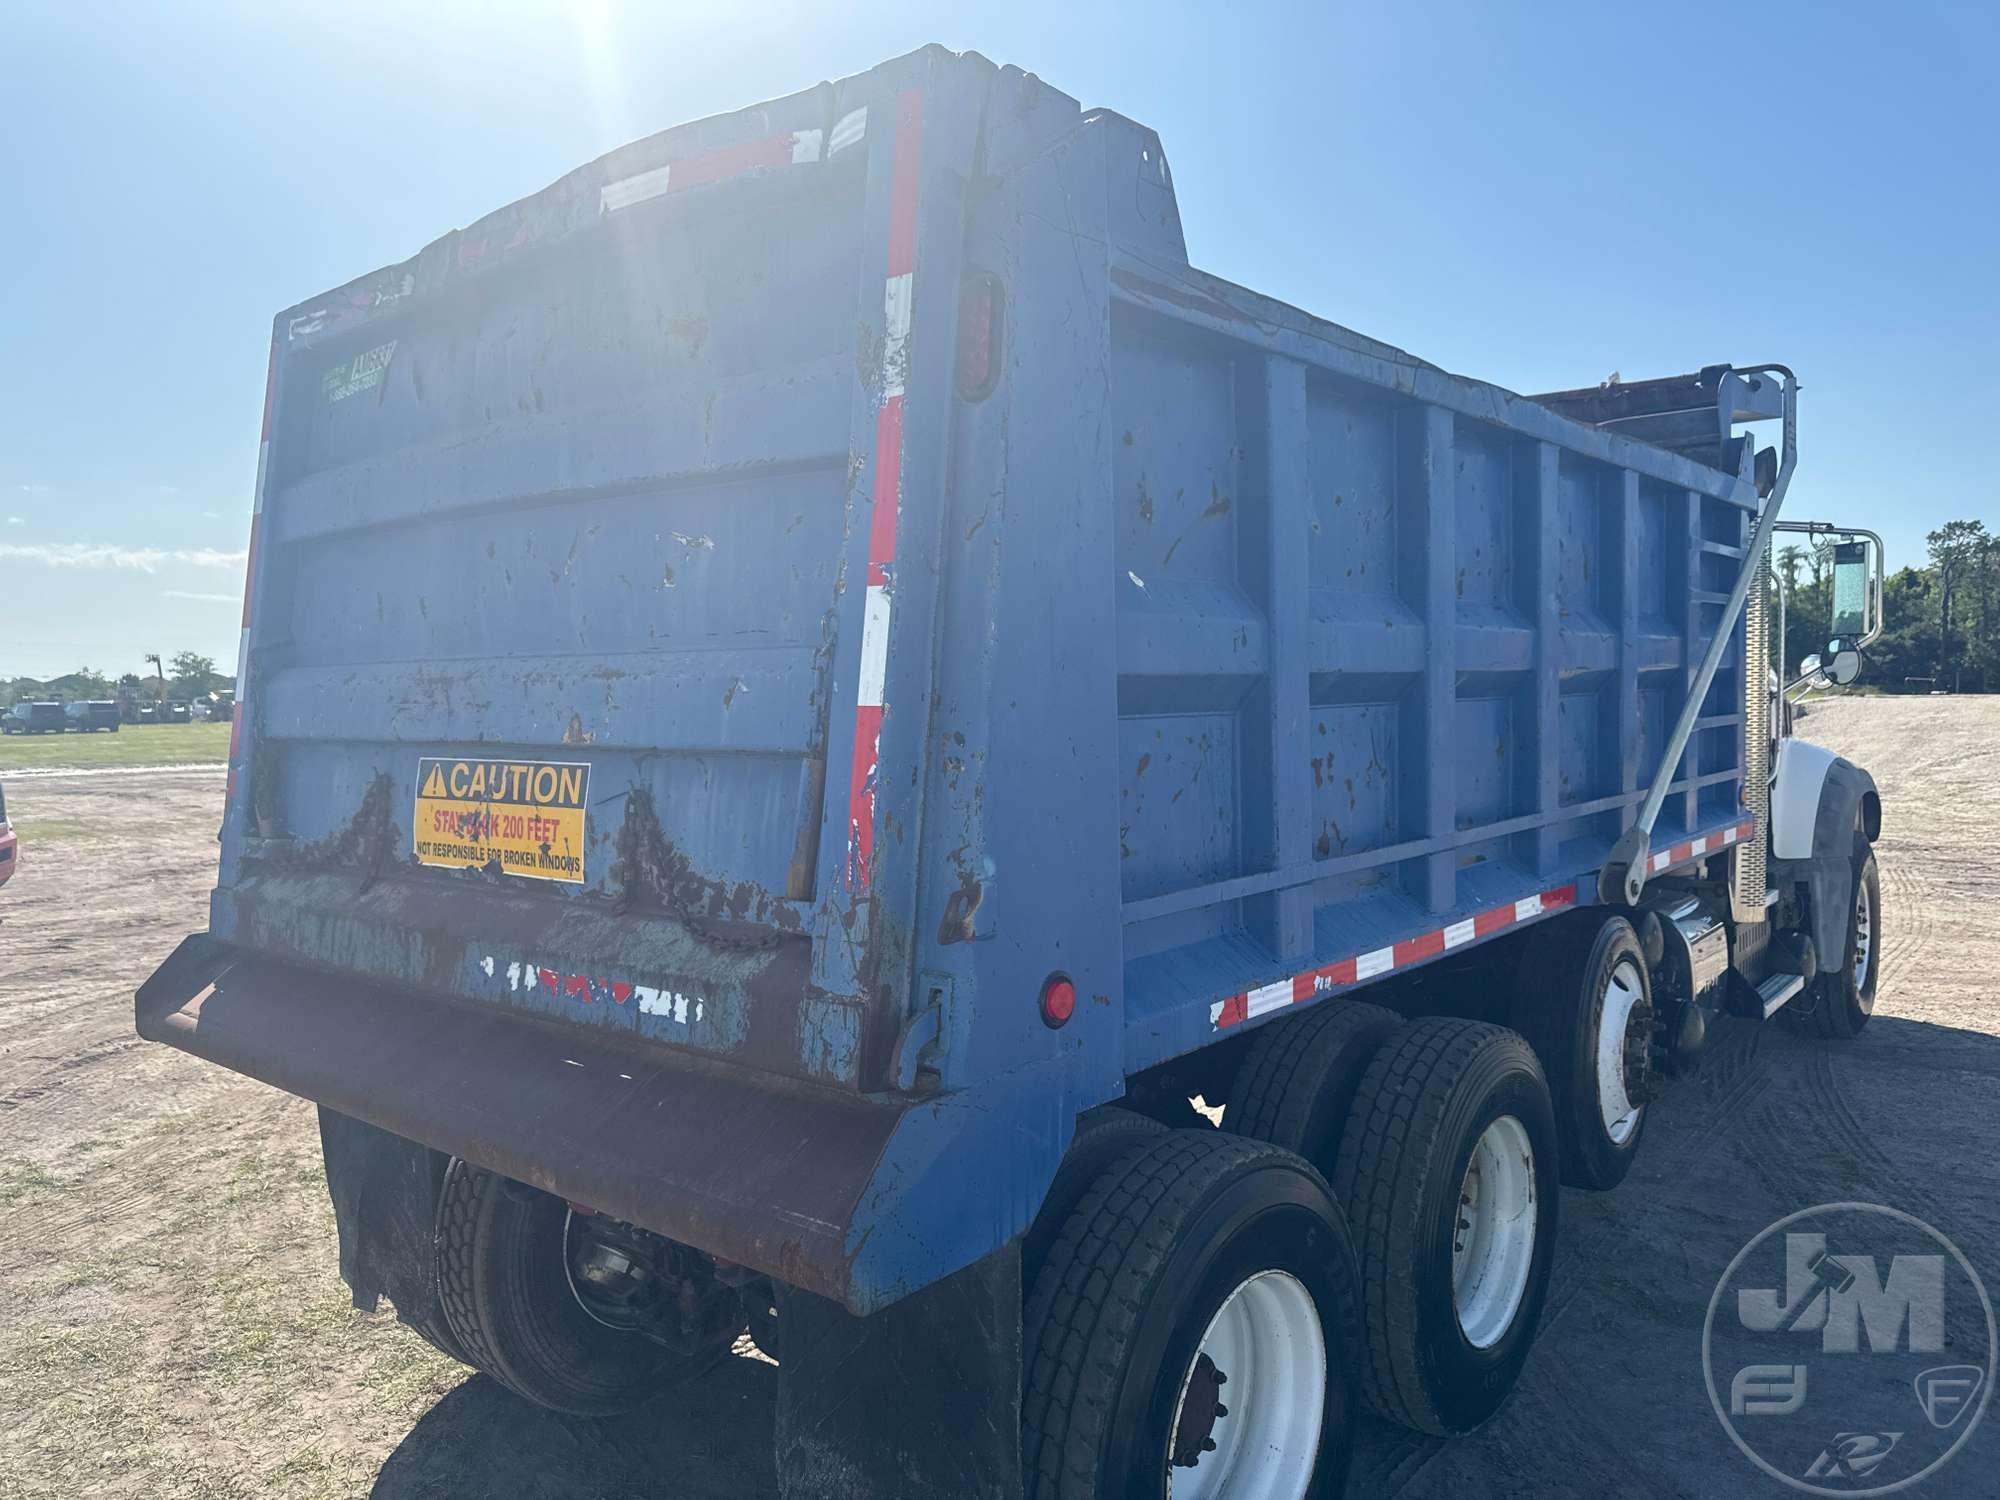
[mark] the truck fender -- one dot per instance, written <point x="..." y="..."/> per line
<point x="1819" y="802"/>
<point x="1795" y="785"/>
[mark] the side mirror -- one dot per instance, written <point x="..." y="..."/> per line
<point x="1842" y="661"/>
<point x="1850" y="591"/>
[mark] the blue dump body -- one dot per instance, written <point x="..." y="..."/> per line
<point x="725" y="630"/>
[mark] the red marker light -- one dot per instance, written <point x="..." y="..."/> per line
<point x="981" y="304"/>
<point x="1058" y="1000"/>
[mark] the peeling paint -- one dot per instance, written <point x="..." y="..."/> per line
<point x="683" y="1007"/>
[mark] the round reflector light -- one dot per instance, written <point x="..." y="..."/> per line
<point x="1058" y="999"/>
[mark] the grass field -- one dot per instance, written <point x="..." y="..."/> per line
<point x="134" y="745"/>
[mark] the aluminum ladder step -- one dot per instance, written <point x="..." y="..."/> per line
<point x="1779" y="990"/>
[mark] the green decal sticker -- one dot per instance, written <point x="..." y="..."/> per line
<point x="362" y="373"/>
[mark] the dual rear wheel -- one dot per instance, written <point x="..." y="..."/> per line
<point x="1194" y="1330"/>
<point x="509" y="1260"/>
<point x="1439" y="1140"/>
<point x="1374" y="1225"/>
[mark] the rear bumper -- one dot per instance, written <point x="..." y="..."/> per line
<point x="746" y="1166"/>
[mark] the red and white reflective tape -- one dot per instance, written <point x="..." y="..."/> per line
<point x="250" y="568"/>
<point x="791" y="148"/>
<point x="1708" y="843"/>
<point x="1349" y="971"/>
<point x="679" y="1006"/>
<point x="1411" y="951"/>
<point x="878" y="605"/>
<point x="546" y="217"/>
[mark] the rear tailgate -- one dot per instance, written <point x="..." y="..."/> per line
<point x="556" y="620"/>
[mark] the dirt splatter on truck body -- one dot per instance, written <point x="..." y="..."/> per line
<point x="784" y="668"/>
<point x="1204" y="651"/>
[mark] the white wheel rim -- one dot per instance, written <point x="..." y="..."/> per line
<point x="1864" y="934"/>
<point x="1493" y="1245"/>
<point x="1266" y="1341"/>
<point x="1620" y="1114"/>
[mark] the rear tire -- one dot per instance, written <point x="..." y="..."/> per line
<point x="436" y="1331"/>
<point x="1202" y="1253"/>
<point x="1448" y="1174"/>
<point x="1841" y="1000"/>
<point x="1583" y="1001"/>
<point x="504" y="1285"/>
<point x="1102" y="1137"/>
<point x="1298" y="1084"/>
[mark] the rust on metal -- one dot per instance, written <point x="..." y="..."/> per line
<point x="649" y="871"/>
<point x="740" y="1164"/>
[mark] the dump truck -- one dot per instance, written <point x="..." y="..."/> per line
<point x="811" y="690"/>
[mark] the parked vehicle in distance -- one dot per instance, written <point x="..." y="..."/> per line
<point x="34" y="718"/>
<point x="10" y="843"/>
<point x="216" y="707"/>
<point x="148" y="713"/>
<point x="176" y="713"/>
<point x="1045" y="687"/>
<point x="89" y="714"/>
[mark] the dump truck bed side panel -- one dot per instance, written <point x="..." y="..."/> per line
<point x="1212" y="657"/>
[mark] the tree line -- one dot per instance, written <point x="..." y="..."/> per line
<point x="1941" y="621"/>
<point x="186" y="676"/>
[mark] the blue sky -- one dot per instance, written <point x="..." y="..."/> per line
<point x="1533" y="194"/>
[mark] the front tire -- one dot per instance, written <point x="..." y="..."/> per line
<point x="1843" y="999"/>
<point x="1193" y="1331"/>
<point x="1448" y="1174"/>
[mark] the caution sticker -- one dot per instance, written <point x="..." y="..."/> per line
<point x="528" y="815"/>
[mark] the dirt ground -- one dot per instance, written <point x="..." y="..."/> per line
<point x="172" y="1323"/>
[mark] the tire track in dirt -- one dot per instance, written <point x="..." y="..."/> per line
<point x="54" y="1078"/>
<point x="1737" y="1085"/>
<point x="1909" y="912"/>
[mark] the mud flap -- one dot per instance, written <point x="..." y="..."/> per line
<point x="928" y="1390"/>
<point x="1829" y="874"/>
<point x="384" y="1192"/>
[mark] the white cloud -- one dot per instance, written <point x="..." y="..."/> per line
<point x="201" y="598"/>
<point x="211" y="515"/>
<point x="16" y="521"/>
<point x="106" y="555"/>
<point x="34" y="489"/>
